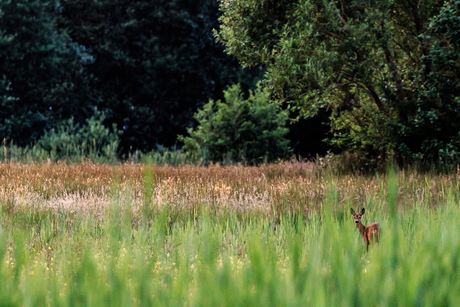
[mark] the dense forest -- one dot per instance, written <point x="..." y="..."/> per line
<point x="376" y="78"/>
<point x="148" y="66"/>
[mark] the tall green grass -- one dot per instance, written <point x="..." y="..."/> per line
<point x="202" y="259"/>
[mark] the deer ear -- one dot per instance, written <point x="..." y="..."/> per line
<point x="352" y="211"/>
<point x="363" y="210"/>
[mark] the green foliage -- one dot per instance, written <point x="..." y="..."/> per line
<point x="148" y="65"/>
<point x="430" y="124"/>
<point x="250" y="130"/>
<point x="42" y="69"/>
<point x="164" y="156"/>
<point x="92" y="140"/>
<point x="361" y="59"/>
<point x="156" y="62"/>
<point x="7" y="103"/>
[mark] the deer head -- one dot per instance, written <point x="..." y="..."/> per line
<point x="357" y="216"/>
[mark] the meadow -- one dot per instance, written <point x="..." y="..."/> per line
<point x="275" y="235"/>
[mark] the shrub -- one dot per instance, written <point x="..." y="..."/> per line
<point x="92" y="140"/>
<point x="244" y="130"/>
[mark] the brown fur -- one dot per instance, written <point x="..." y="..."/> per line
<point x="369" y="233"/>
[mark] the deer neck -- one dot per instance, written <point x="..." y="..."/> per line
<point x="362" y="228"/>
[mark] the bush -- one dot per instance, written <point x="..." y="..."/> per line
<point x="250" y="131"/>
<point x="93" y="140"/>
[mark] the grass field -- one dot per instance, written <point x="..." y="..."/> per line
<point x="280" y="235"/>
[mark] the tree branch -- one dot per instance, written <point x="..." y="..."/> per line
<point x="376" y="97"/>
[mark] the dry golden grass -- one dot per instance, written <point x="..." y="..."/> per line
<point x="270" y="190"/>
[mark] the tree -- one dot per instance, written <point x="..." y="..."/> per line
<point x="356" y="58"/>
<point x="41" y="70"/>
<point x="155" y="63"/>
<point x="248" y="130"/>
<point x="430" y="129"/>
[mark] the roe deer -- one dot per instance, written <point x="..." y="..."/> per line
<point x="368" y="232"/>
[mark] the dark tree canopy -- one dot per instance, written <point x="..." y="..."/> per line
<point x="430" y="123"/>
<point x="42" y="72"/>
<point x="147" y="65"/>
<point x="155" y="63"/>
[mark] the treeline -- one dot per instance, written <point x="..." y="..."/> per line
<point x="383" y="75"/>
<point x="147" y="66"/>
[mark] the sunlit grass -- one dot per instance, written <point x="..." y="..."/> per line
<point x="281" y="235"/>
